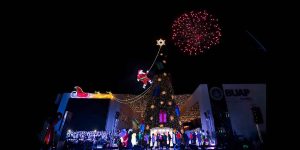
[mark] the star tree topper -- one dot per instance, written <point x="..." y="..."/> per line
<point x="160" y="42"/>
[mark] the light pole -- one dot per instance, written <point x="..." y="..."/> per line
<point x="261" y="46"/>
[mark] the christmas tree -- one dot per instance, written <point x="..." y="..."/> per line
<point x="161" y="109"/>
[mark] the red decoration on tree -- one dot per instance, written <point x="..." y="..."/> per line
<point x="143" y="77"/>
<point x="195" y="32"/>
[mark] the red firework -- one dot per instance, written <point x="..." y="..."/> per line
<point x="195" y="32"/>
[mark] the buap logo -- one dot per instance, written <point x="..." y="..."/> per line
<point x="216" y="93"/>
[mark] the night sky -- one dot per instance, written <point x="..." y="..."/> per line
<point x="102" y="47"/>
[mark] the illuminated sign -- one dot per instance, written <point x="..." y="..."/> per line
<point x="237" y="92"/>
<point x="79" y="93"/>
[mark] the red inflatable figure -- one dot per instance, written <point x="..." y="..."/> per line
<point x="143" y="77"/>
<point x="125" y="140"/>
<point x="80" y="93"/>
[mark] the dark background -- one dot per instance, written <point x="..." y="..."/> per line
<point x="101" y="47"/>
<point x="87" y="114"/>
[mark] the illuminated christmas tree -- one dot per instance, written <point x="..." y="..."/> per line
<point x="161" y="109"/>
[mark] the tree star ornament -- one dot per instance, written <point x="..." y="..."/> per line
<point x="160" y="42"/>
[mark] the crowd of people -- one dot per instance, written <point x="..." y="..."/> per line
<point x="129" y="139"/>
<point x="88" y="139"/>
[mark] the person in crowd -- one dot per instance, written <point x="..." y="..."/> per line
<point x="169" y="139"/>
<point x="208" y="137"/>
<point x="48" y="140"/>
<point x="178" y="138"/>
<point x="203" y="137"/>
<point x="134" y="139"/>
<point x="140" y="141"/>
<point x="146" y="140"/>
<point x="173" y="139"/>
<point x="186" y="139"/>
<point x="161" y="142"/>
<point x="194" y="138"/>
<point x="153" y="139"/>
<point x="190" y="138"/>
<point x="165" y="138"/>
<point x="157" y="140"/>
<point x="199" y="137"/>
<point x="129" y="144"/>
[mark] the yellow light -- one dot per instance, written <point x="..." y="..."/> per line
<point x="99" y="95"/>
<point x="152" y="106"/>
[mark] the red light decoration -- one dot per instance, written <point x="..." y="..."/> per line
<point x="79" y="93"/>
<point x="195" y="32"/>
<point x="143" y="77"/>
